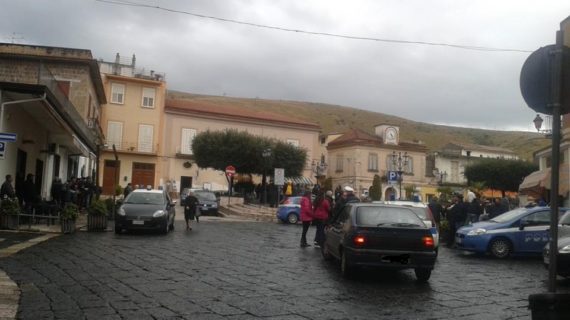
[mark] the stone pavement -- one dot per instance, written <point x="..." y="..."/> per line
<point x="253" y="270"/>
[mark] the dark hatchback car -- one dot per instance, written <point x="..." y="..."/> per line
<point x="380" y="235"/>
<point x="146" y="209"/>
<point x="563" y="259"/>
<point x="208" y="203"/>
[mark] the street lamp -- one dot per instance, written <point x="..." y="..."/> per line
<point x="266" y="154"/>
<point x="440" y="176"/>
<point x="319" y="168"/>
<point x="400" y="161"/>
<point x="538" y="121"/>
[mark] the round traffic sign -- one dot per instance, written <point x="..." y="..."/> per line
<point x="230" y="170"/>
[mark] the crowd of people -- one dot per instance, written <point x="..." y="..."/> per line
<point x="80" y="191"/>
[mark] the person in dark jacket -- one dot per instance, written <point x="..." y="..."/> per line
<point x="190" y="207"/>
<point x="57" y="192"/>
<point x="7" y="190"/>
<point x="457" y="216"/>
<point x="347" y="197"/>
<point x="29" y="192"/>
<point x="128" y="189"/>
<point x="474" y="210"/>
<point x="436" y="209"/>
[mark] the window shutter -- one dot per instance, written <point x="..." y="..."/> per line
<point x="145" y="138"/>
<point x="186" y="140"/>
<point x="114" y="134"/>
<point x="148" y="97"/>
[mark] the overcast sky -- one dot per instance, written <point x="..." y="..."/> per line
<point x="435" y="84"/>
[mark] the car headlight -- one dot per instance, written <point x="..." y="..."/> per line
<point x="158" y="214"/>
<point x="477" y="232"/>
<point x="215" y="205"/>
<point x="565" y="249"/>
<point x="122" y="212"/>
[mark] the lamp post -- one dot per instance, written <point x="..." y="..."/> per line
<point x="266" y="154"/>
<point x="538" y="121"/>
<point x="400" y="161"/>
<point x="319" y="168"/>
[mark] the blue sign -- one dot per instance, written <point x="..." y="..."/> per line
<point x="393" y="176"/>
<point x="2" y="149"/>
<point x="8" y="137"/>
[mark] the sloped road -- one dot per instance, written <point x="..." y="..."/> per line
<point x="248" y="270"/>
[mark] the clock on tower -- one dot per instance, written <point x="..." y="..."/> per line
<point x="391" y="136"/>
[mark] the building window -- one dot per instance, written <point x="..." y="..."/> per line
<point x="293" y="142"/>
<point x="372" y="162"/>
<point x="117" y="93"/>
<point x="114" y="134"/>
<point x="146" y="132"/>
<point x="186" y="140"/>
<point x="409" y="168"/>
<point x="148" y="97"/>
<point x="339" y="162"/>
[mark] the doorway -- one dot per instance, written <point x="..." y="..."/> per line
<point x="185" y="182"/>
<point x="39" y="176"/>
<point x="111" y="173"/>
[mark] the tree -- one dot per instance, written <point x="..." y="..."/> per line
<point x="375" y="190"/>
<point x="218" y="149"/>
<point x="500" y="174"/>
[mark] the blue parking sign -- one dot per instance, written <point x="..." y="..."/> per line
<point x="392" y="176"/>
<point x="2" y="149"/>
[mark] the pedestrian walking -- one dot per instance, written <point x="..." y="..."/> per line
<point x="436" y="210"/>
<point x="321" y="214"/>
<point x="306" y="217"/>
<point x="7" y="190"/>
<point x="190" y="207"/>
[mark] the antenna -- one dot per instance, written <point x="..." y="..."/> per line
<point x="16" y="36"/>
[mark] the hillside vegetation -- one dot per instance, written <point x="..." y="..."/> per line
<point x="333" y="118"/>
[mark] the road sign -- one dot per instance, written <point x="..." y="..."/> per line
<point x="393" y="176"/>
<point x="2" y="149"/>
<point x="535" y="80"/>
<point x="7" y="137"/>
<point x="230" y="171"/>
<point x="279" y="177"/>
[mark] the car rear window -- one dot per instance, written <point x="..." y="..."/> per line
<point x="145" y="198"/>
<point x="386" y="216"/>
<point x="206" y="196"/>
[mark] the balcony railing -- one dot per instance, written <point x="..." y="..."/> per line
<point x="135" y="147"/>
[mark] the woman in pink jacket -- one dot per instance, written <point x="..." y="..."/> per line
<point x="306" y="216"/>
<point x="322" y="208"/>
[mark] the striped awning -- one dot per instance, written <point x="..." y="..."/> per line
<point x="299" y="180"/>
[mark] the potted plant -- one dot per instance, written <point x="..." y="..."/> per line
<point x="97" y="216"/>
<point x="10" y="209"/>
<point x="67" y="218"/>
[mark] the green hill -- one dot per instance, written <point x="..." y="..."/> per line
<point x="333" y="118"/>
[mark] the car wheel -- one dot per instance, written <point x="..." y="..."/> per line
<point x="500" y="248"/>
<point x="422" y="274"/>
<point x="292" y="218"/>
<point x="345" y="268"/>
<point x="325" y="252"/>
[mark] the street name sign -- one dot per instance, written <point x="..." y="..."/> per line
<point x="7" y="137"/>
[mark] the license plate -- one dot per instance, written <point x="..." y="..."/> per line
<point x="139" y="222"/>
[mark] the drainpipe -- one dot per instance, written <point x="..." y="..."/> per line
<point x="43" y="98"/>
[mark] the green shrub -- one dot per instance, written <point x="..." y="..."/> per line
<point x="109" y="204"/>
<point x="70" y="211"/>
<point x="97" y="208"/>
<point x="118" y="190"/>
<point x="9" y="207"/>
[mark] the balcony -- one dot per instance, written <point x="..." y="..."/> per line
<point x="132" y="147"/>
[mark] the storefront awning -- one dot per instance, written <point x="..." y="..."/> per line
<point x="300" y="180"/>
<point x="538" y="181"/>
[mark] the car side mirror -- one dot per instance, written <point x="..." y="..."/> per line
<point x="523" y="224"/>
<point x="173" y="203"/>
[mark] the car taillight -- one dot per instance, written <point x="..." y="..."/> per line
<point x="359" y="240"/>
<point x="428" y="241"/>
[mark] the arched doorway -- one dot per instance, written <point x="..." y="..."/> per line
<point x="390" y="194"/>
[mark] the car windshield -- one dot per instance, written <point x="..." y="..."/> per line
<point x="145" y="198"/>
<point x="510" y="215"/>
<point x="376" y="216"/>
<point x="205" y="196"/>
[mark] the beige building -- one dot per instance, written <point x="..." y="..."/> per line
<point x="356" y="156"/>
<point x="51" y="100"/>
<point x="186" y="118"/>
<point x="133" y="123"/>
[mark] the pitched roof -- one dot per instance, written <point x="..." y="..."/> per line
<point x="233" y="112"/>
<point x="359" y="137"/>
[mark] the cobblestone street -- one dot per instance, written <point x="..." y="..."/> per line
<point x="248" y="270"/>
